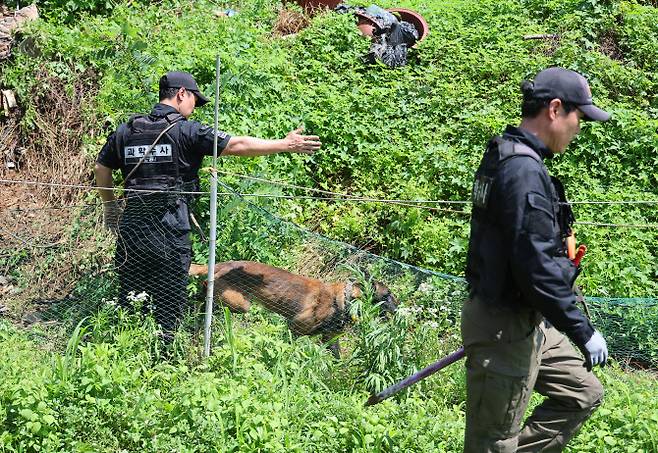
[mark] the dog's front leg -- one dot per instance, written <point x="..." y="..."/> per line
<point x="332" y="344"/>
<point x="235" y="300"/>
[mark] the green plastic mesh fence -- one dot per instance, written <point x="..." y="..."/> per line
<point x="58" y="264"/>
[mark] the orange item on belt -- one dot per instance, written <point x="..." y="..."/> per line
<point x="571" y="246"/>
<point x="582" y="249"/>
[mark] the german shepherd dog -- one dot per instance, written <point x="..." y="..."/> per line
<point x="310" y="306"/>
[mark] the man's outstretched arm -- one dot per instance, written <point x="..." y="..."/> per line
<point x="294" y="142"/>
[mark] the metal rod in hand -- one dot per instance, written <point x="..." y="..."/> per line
<point x="411" y="380"/>
<point x="213" y="224"/>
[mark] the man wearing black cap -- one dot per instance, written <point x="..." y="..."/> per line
<point x="159" y="155"/>
<point x="522" y="311"/>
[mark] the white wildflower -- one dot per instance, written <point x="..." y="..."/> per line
<point x="424" y="287"/>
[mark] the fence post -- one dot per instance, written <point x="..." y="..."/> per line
<point x="213" y="223"/>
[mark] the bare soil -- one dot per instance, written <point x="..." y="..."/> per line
<point x="42" y="253"/>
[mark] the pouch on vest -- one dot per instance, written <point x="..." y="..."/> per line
<point x="565" y="216"/>
<point x="539" y="216"/>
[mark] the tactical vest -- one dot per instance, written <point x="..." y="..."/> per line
<point x="498" y="152"/>
<point x="160" y="169"/>
<point x="487" y="269"/>
<point x="152" y="163"/>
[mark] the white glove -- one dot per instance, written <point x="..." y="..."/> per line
<point x="595" y="351"/>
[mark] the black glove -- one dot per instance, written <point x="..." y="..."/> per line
<point x="111" y="214"/>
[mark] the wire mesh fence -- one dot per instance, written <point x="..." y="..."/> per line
<point x="58" y="264"/>
<point x="54" y="260"/>
<point x="153" y="255"/>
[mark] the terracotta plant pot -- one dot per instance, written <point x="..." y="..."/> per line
<point x="367" y="25"/>
<point x="414" y="19"/>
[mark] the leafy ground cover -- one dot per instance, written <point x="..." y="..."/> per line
<point x="111" y="391"/>
<point x="413" y="133"/>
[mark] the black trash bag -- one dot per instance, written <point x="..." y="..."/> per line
<point x="392" y="38"/>
<point x="391" y="45"/>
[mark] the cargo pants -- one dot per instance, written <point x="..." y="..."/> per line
<point x="510" y="354"/>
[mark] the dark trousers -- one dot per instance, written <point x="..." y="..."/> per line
<point x="152" y="261"/>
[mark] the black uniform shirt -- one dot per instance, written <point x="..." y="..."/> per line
<point x="522" y="210"/>
<point x="197" y="142"/>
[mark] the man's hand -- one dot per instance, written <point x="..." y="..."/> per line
<point x="595" y="351"/>
<point x="306" y="144"/>
<point x="111" y="214"/>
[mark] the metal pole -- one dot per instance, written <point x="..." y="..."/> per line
<point x="213" y="223"/>
<point x="420" y="375"/>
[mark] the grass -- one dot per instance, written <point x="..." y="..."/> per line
<point x="110" y="391"/>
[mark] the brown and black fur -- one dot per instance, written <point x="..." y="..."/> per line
<point x="310" y="306"/>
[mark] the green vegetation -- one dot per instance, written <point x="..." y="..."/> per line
<point x="110" y="391"/>
<point x="412" y="133"/>
<point x="416" y="132"/>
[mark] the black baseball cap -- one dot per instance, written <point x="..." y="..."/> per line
<point x="178" y="79"/>
<point x="570" y="87"/>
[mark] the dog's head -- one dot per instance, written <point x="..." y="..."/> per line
<point x="382" y="296"/>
